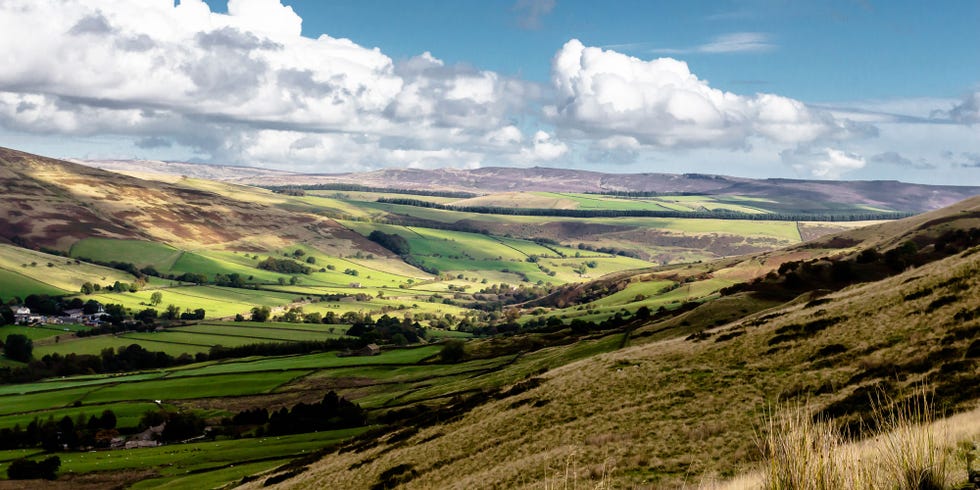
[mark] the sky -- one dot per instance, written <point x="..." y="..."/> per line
<point x="838" y="89"/>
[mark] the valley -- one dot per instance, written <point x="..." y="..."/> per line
<point x="462" y="329"/>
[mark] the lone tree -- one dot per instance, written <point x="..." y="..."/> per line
<point x="18" y="347"/>
<point x="452" y="351"/>
<point x="261" y="313"/>
<point x="156" y="298"/>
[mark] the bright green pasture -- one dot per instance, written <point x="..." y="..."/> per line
<point x="61" y="276"/>
<point x="192" y="387"/>
<point x="16" y="284"/>
<point x="646" y="289"/>
<point x="377" y="306"/>
<point x="53" y="384"/>
<point x="325" y="360"/>
<point x="34" y="333"/>
<point x="216" y="301"/>
<point x="47" y="400"/>
<point x="187" y="465"/>
<point x="127" y="414"/>
<point x="224" y="474"/>
<point x="137" y="252"/>
<point x="189" y="342"/>
<point x="271" y="326"/>
<point x="211" y="263"/>
<point x="12" y="454"/>
<point x="280" y="333"/>
<point x="95" y="345"/>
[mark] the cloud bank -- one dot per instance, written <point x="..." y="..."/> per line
<point x="247" y="87"/>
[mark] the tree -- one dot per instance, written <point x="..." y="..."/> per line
<point x="18" y="347"/>
<point x="156" y="298"/>
<point x="91" y="307"/>
<point x="172" y="312"/>
<point x="261" y="313"/>
<point x="25" y="469"/>
<point x="452" y="351"/>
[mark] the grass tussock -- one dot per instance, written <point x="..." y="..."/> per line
<point x="907" y="449"/>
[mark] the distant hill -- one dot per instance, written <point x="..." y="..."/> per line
<point x="794" y="195"/>
<point x="225" y="173"/>
<point x="53" y="203"/>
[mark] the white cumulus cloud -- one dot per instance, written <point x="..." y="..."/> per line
<point x="244" y="86"/>
<point x="822" y="163"/>
<point x="661" y="103"/>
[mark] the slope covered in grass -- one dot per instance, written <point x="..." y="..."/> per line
<point x="681" y="410"/>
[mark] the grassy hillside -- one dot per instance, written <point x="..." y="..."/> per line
<point x="666" y="412"/>
<point x="54" y="203"/>
<point x="24" y="272"/>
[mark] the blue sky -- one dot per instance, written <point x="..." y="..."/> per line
<point x="820" y="51"/>
<point x="760" y="88"/>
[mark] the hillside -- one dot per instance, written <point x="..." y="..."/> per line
<point x="53" y="203"/>
<point x="685" y="409"/>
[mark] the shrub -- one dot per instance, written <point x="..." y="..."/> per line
<point x="25" y="469"/>
<point x="453" y="351"/>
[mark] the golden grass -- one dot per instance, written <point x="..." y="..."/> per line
<point x="676" y="413"/>
<point x="910" y="449"/>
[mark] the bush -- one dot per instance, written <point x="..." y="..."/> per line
<point x="453" y="351"/>
<point x="24" y="469"/>
<point x="18" y="348"/>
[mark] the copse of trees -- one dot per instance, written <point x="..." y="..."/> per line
<point x="25" y="469"/>
<point x="283" y="266"/>
<point x="387" y="329"/>
<point x="332" y="412"/>
<point x="18" y="347"/>
<point x="72" y="433"/>
<point x="392" y="241"/>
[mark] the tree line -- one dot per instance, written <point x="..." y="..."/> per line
<point x="726" y="214"/>
<point x="286" y="189"/>
<point x="65" y="433"/>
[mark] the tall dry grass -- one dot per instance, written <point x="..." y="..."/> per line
<point x="906" y="448"/>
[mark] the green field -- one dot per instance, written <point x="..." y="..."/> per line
<point x="24" y="272"/>
<point x="38" y="332"/>
<point x="137" y="252"/>
<point x="191" y="387"/>
<point x="217" y="301"/>
<point x="16" y="284"/>
<point x="127" y="414"/>
<point x="95" y="345"/>
<point x="202" y="464"/>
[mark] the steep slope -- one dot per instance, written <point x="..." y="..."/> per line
<point x="683" y="410"/>
<point x="53" y="203"/>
